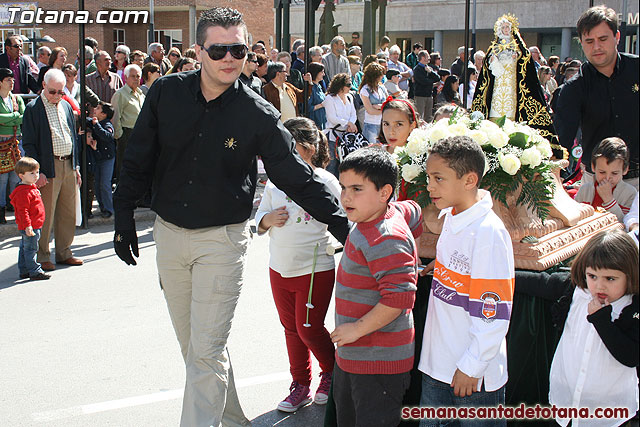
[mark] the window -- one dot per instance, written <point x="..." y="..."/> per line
<point x="169" y="38"/>
<point x="118" y="38"/>
<point x="29" y="48"/>
<point x="428" y="44"/>
<point x="405" y="48"/>
<point x="6" y="32"/>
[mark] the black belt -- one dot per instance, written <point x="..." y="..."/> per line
<point x="62" y="158"/>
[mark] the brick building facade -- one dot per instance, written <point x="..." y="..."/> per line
<point x="174" y="23"/>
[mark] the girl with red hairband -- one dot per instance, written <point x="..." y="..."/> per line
<point x="399" y="119"/>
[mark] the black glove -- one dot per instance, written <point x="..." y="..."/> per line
<point x="125" y="243"/>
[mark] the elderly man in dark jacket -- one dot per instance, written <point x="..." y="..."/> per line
<point x="48" y="132"/>
<point x="423" y="80"/>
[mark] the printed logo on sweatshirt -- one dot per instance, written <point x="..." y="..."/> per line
<point x="489" y="305"/>
<point x="460" y="263"/>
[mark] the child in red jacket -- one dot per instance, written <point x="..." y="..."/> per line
<point x="29" y="211"/>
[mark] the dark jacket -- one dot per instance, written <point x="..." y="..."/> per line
<point x="36" y="135"/>
<point x="424" y="80"/>
<point x="253" y="82"/>
<point x="27" y="81"/>
<point x="102" y="132"/>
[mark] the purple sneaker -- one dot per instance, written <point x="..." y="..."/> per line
<point x="300" y="396"/>
<point x="322" y="394"/>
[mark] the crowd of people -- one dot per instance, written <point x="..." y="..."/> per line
<point x="164" y="130"/>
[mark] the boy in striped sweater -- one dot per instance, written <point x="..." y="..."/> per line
<point x="464" y="351"/>
<point x="375" y="292"/>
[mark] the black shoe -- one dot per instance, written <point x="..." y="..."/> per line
<point x="89" y="215"/>
<point x="2" y="218"/>
<point x="24" y="275"/>
<point x="9" y="207"/>
<point x="40" y="276"/>
<point x="106" y="214"/>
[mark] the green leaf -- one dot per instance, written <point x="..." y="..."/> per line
<point x="519" y="139"/>
<point x="501" y="121"/>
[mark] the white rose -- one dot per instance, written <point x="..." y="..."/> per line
<point x="437" y="133"/>
<point x="509" y="127"/>
<point x="458" y="129"/>
<point x="479" y="136"/>
<point x="509" y="163"/>
<point x="488" y="125"/>
<point x="545" y="148"/>
<point x="417" y="144"/>
<point x="531" y="156"/>
<point x="410" y="172"/>
<point x="498" y="138"/>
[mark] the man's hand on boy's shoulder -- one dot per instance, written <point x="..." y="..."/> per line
<point x="345" y="334"/>
<point x="463" y="385"/>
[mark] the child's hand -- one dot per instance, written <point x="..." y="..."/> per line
<point x="94" y="120"/>
<point x="345" y="334"/>
<point x="596" y="304"/>
<point x="275" y="218"/>
<point x="463" y="385"/>
<point x="29" y="231"/>
<point x="605" y="190"/>
<point x="427" y="268"/>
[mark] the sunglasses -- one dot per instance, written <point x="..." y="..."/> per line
<point x="16" y="46"/>
<point x="218" y="51"/>
<point x="55" y="92"/>
<point x="174" y="54"/>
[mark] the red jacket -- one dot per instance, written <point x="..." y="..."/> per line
<point x="28" y="206"/>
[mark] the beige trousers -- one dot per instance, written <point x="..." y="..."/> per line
<point x="59" y="199"/>
<point x="201" y="275"/>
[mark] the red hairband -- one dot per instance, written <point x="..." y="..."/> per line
<point x="390" y="98"/>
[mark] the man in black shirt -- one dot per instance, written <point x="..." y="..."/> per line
<point x="247" y="77"/>
<point x="197" y="138"/>
<point x="603" y="98"/>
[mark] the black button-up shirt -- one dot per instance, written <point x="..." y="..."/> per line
<point x="603" y="106"/>
<point x="201" y="158"/>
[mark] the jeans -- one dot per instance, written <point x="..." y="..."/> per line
<point x="371" y="132"/>
<point x="436" y="394"/>
<point x="27" y="263"/>
<point x="12" y="179"/>
<point x="102" y="176"/>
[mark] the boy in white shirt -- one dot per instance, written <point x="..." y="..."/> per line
<point x="464" y="352"/>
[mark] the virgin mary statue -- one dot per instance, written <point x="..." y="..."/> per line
<point x="508" y="83"/>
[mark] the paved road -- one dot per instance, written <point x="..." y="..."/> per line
<point x="94" y="345"/>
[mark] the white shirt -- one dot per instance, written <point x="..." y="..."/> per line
<point x="471" y="298"/>
<point x="338" y="114"/>
<point x="584" y="373"/>
<point x="291" y="246"/>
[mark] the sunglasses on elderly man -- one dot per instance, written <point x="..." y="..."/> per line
<point x="55" y="92"/>
<point x="218" y="51"/>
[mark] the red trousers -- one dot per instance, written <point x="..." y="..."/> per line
<point x="290" y="295"/>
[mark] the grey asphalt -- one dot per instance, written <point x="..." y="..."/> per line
<point x="94" y="345"/>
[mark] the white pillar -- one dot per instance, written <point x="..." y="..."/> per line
<point x="437" y="42"/>
<point x="192" y="25"/>
<point x="565" y="46"/>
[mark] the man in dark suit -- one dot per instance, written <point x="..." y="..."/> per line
<point x="48" y="135"/>
<point x="13" y="60"/>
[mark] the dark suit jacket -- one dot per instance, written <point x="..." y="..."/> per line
<point x="272" y="95"/>
<point x="36" y="135"/>
<point x="27" y="81"/>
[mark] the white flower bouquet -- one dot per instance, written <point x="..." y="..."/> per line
<point x="517" y="156"/>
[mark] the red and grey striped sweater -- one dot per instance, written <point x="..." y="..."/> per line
<point x="379" y="265"/>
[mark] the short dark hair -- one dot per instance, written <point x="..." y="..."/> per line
<point x="355" y="33"/>
<point x="610" y="250"/>
<point x="443" y="72"/>
<point x="107" y="109"/>
<point x="462" y="154"/>
<point x="391" y="73"/>
<point x="417" y="46"/>
<point x="593" y="16"/>
<point x="262" y="59"/>
<point x="7" y="41"/>
<point x="375" y="164"/>
<point x="26" y="164"/>
<point x="148" y="68"/>
<point x="91" y="42"/>
<point x="314" y="69"/>
<point x="338" y="82"/>
<point x="218" y="17"/>
<point x="611" y="149"/>
<point x="274" y="68"/>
